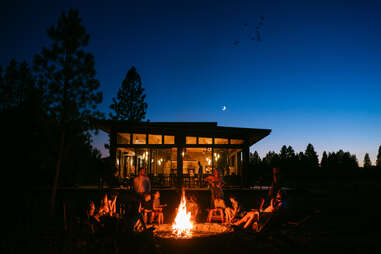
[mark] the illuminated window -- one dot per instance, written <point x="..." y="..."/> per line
<point x="154" y="139"/>
<point x="205" y="140"/>
<point x="221" y="141"/>
<point x="191" y="140"/>
<point x="123" y="138"/>
<point x="169" y="140"/>
<point x="236" y="141"/>
<point x="139" y="139"/>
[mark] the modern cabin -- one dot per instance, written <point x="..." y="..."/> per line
<point x="172" y="152"/>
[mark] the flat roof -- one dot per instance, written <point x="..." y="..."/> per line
<point x="201" y="129"/>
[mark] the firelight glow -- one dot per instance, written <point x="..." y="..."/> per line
<point x="183" y="225"/>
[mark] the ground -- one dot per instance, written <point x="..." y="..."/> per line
<point x="340" y="217"/>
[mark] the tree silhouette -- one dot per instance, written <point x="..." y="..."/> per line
<point x="311" y="157"/>
<point x="367" y="162"/>
<point x="378" y="160"/>
<point x="255" y="159"/>
<point x="67" y="74"/>
<point x="324" y="160"/>
<point x="16" y="85"/>
<point x="129" y="103"/>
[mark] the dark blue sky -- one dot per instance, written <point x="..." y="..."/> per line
<point x="315" y="77"/>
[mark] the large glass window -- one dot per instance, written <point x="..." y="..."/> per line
<point x="125" y="162"/>
<point x="191" y="158"/>
<point x="169" y="140"/>
<point x="142" y="158"/>
<point x="139" y="139"/>
<point x="236" y="141"/>
<point x="154" y="139"/>
<point x="124" y="138"/>
<point x="221" y="160"/>
<point x="235" y="162"/>
<point x="163" y="161"/>
<point x="221" y="141"/>
<point x="191" y="140"/>
<point x="205" y="140"/>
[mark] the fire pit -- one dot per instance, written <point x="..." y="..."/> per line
<point x="198" y="230"/>
<point x="184" y="228"/>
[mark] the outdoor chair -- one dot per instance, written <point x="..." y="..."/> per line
<point x="216" y="214"/>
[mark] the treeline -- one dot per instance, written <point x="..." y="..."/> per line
<point x="307" y="164"/>
<point x="47" y="111"/>
<point x="31" y="134"/>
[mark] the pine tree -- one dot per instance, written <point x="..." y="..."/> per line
<point x="378" y="160"/>
<point x="324" y="160"/>
<point x="67" y="74"/>
<point x="129" y="103"/>
<point x="311" y="157"/>
<point x="255" y="159"/>
<point x="367" y="162"/>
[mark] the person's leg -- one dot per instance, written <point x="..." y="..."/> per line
<point x="227" y="214"/>
<point x="210" y="215"/>
<point x="221" y="212"/>
<point x="250" y="219"/>
<point x="152" y="216"/>
<point x="241" y="221"/>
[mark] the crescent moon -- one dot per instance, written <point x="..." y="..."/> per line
<point x="223" y="108"/>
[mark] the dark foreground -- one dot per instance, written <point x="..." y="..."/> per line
<point x="335" y="218"/>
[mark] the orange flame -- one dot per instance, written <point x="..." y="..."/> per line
<point x="183" y="225"/>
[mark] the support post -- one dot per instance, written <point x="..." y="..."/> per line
<point x="245" y="166"/>
<point x="113" y="141"/>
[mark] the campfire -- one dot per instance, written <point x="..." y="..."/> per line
<point x="182" y="227"/>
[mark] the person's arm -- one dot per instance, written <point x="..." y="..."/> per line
<point x="262" y="203"/>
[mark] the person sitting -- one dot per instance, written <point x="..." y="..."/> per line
<point x="218" y="211"/>
<point x="158" y="208"/>
<point x="235" y="212"/>
<point x="112" y="205"/>
<point x="146" y="208"/>
<point x="254" y="216"/>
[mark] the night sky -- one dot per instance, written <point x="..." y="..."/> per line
<point x="314" y="78"/>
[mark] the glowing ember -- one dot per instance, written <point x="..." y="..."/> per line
<point x="182" y="227"/>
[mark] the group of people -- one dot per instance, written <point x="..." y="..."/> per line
<point x="107" y="209"/>
<point x="148" y="209"/>
<point x="235" y="215"/>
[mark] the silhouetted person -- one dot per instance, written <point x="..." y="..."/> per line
<point x="142" y="185"/>
<point x="200" y="172"/>
<point x="216" y="182"/>
<point x="276" y="185"/>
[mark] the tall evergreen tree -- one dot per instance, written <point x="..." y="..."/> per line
<point x="255" y="159"/>
<point x="311" y="157"/>
<point x="67" y="73"/>
<point x="324" y="160"/>
<point x="378" y="160"/>
<point x="129" y="103"/>
<point x="367" y="162"/>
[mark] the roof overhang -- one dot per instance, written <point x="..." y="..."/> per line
<point x="206" y="129"/>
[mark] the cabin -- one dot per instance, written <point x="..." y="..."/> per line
<point x="180" y="153"/>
